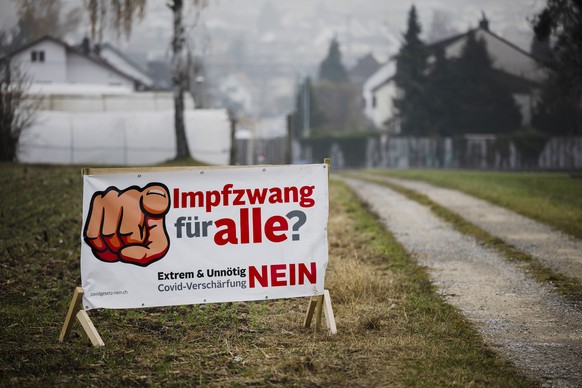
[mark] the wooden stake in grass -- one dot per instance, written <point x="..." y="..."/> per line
<point x="76" y="310"/>
<point x="317" y="305"/>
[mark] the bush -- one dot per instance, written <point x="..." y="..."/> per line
<point x="530" y="143"/>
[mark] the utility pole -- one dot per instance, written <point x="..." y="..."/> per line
<point x="306" y="106"/>
<point x="289" y="145"/>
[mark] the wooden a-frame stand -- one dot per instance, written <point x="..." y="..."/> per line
<point x="76" y="310"/>
<point x="317" y="305"/>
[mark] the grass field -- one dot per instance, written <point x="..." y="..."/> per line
<point x="393" y="327"/>
<point x="552" y="198"/>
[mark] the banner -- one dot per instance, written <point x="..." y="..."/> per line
<point x="203" y="235"/>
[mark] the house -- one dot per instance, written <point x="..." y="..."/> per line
<point x="161" y="72"/>
<point x="378" y="92"/>
<point x="124" y="63"/>
<point x="93" y="112"/>
<point x="80" y="79"/>
<point x="506" y="56"/>
<point x="50" y="60"/>
<point x="363" y="69"/>
<point x="521" y="72"/>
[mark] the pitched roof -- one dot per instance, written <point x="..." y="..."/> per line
<point x="365" y="67"/>
<point x="74" y="50"/>
<point x="381" y="77"/>
<point x="516" y="82"/>
<point x="532" y="72"/>
<point x="125" y="57"/>
<point x="433" y="47"/>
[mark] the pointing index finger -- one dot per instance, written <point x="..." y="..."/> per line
<point x="155" y="200"/>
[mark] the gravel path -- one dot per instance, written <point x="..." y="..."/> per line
<point x="551" y="247"/>
<point x="523" y="320"/>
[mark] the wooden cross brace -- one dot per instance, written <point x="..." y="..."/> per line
<point x="76" y="310"/>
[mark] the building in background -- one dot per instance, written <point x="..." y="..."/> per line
<point x="517" y="69"/>
<point x="51" y="61"/>
<point x="99" y="110"/>
<point x="114" y="57"/>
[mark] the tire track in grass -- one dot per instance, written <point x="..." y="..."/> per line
<point x="525" y="321"/>
<point x="546" y="253"/>
<point x="555" y="249"/>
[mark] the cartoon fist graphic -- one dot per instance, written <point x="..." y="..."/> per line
<point x="128" y="225"/>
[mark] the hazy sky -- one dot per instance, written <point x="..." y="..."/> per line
<point x="344" y="18"/>
<point x="361" y="25"/>
<point x="276" y="59"/>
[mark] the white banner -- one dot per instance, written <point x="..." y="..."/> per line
<point x="204" y="236"/>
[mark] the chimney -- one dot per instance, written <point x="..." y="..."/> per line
<point x="484" y="23"/>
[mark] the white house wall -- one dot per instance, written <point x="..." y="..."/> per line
<point x="379" y="94"/>
<point x="384" y="109"/>
<point x="54" y="67"/>
<point x="525" y="103"/>
<point x="379" y="77"/>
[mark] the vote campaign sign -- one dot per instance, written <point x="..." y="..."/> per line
<point x="165" y="237"/>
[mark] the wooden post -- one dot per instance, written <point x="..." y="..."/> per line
<point x="89" y="328"/>
<point x="74" y="307"/>
<point x="321" y="303"/>
<point x="318" y="310"/>
<point x="318" y="305"/>
<point x="328" y="312"/>
<point x="310" y="311"/>
<point x="76" y="311"/>
<point x="328" y="162"/>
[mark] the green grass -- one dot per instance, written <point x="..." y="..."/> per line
<point x="393" y="328"/>
<point x="551" y="198"/>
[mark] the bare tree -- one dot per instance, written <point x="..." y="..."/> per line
<point x="49" y="17"/>
<point x="124" y="13"/>
<point x="118" y="14"/>
<point x="17" y="112"/>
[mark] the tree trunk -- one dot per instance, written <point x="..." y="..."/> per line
<point x="178" y="79"/>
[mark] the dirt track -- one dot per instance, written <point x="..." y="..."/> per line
<point x="553" y="248"/>
<point x="524" y="321"/>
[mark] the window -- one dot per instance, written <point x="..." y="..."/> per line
<point x="374" y="101"/>
<point x="37" y="56"/>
